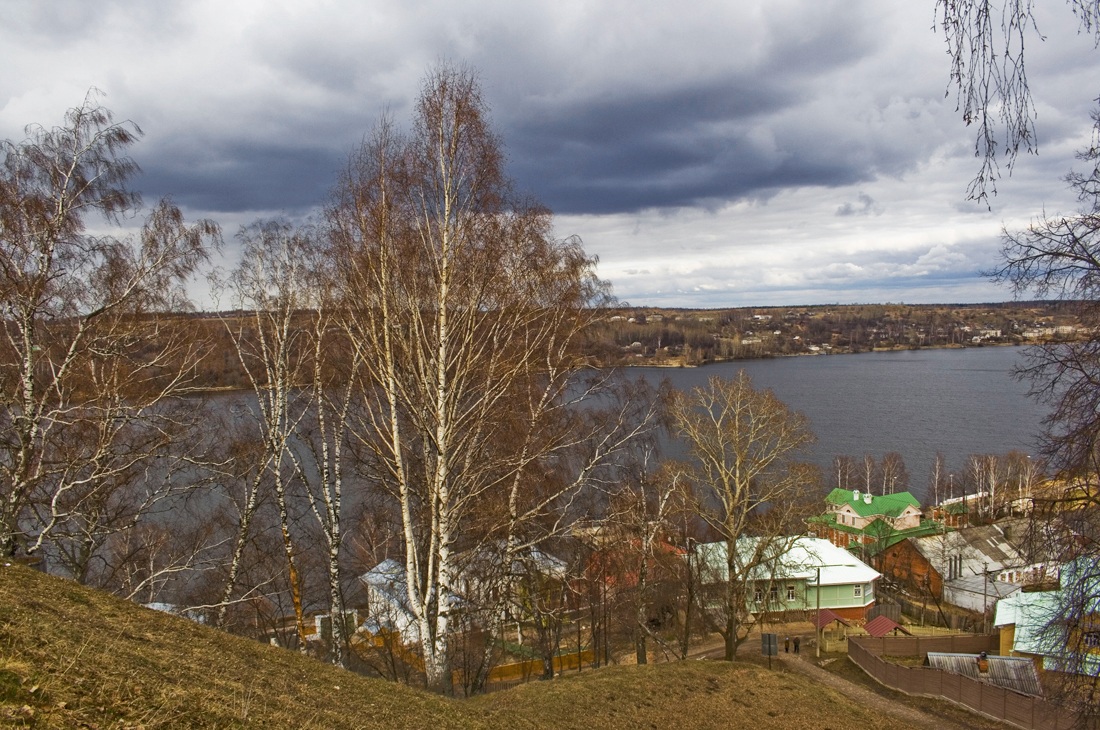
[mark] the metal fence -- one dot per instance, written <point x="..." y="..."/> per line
<point x="1020" y="710"/>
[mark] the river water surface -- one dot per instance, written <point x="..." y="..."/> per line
<point x="915" y="402"/>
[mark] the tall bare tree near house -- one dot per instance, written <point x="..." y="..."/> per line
<point x="643" y="511"/>
<point x="1058" y="256"/>
<point x="984" y="474"/>
<point x="742" y="443"/>
<point x="867" y="473"/>
<point x="470" y="314"/>
<point x="844" y="471"/>
<point x="303" y="374"/>
<point x="322" y="441"/>
<point x="89" y="361"/>
<point x="893" y="474"/>
<point x="938" y="479"/>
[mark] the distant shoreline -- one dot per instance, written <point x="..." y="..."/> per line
<point x="678" y="364"/>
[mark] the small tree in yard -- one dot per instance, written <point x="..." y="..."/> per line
<point x="741" y="442"/>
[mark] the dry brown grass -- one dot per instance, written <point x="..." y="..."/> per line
<point x="75" y="658"/>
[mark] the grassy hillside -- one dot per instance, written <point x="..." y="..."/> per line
<point x="75" y="658"/>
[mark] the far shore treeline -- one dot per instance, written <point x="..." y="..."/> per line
<point x="671" y="337"/>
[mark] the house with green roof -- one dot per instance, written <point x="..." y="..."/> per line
<point x="867" y="523"/>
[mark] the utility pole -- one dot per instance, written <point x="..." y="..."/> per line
<point x="985" y="597"/>
<point x="817" y="617"/>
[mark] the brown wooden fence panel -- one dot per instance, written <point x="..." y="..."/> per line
<point x="933" y="683"/>
<point x="1020" y="710"/>
<point x="952" y="686"/>
<point x="921" y="645"/>
<point x="992" y="700"/>
<point x="970" y="692"/>
<point x="1056" y="718"/>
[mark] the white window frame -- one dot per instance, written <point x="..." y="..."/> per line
<point x="857" y="591"/>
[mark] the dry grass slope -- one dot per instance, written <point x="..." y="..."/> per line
<point x="75" y="658"/>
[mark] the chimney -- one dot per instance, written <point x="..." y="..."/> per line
<point x="855" y="495"/>
<point x="867" y="498"/>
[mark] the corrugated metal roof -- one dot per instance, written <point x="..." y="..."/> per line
<point x="983" y="548"/>
<point x="1015" y="673"/>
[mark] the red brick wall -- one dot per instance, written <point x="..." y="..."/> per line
<point x="905" y="564"/>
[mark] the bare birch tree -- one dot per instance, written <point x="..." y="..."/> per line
<point x="271" y="285"/>
<point x="92" y="353"/>
<point x="741" y="443"/>
<point x="894" y="475"/>
<point x="470" y="315"/>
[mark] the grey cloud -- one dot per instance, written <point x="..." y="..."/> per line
<point x="246" y="176"/>
<point x="865" y="206"/>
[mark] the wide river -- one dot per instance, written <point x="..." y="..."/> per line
<point x="915" y="402"/>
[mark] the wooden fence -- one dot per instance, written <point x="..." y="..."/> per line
<point x="1020" y="710"/>
<point x="921" y="645"/>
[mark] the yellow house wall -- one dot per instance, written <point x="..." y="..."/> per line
<point x="1008" y="637"/>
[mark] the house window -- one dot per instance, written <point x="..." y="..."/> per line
<point x="858" y="591"/>
<point x="790" y="593"/>
<point x="1092" y="639"/>
<point x="758" y="595"/>
<point x="773" y="595"/>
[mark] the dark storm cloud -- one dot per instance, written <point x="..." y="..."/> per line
<point x="784" y="121"/>
<point x="765" y="149"/>
<point x="247" y="176"/>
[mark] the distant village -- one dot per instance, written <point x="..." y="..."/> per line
<point x="694" y="337"/>
<point x="975" y="586"/>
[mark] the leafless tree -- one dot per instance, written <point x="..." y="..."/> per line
<point x="742" y="442"/>
<point x="984" y="473"/>
<point x="271" y="285"/>
<point x="986" y="42"/>
<point x="938" y="479"/>
<point x="644" y="513"/>
<point x="845" y="469"/>
<point x="94" y="357"/>
<point x="1059" y="256"/>
<point x="892" y="472"/>
<point x="470" y="314"/>
<point x="867" y="471"/>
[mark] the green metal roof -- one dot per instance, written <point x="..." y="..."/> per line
<point x="885" y="534"/>
<point x="890" y="505"/>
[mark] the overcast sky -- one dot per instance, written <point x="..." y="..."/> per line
<point x="756" y="152"/>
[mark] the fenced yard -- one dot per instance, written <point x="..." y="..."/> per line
<point x="1020" y="710"/>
